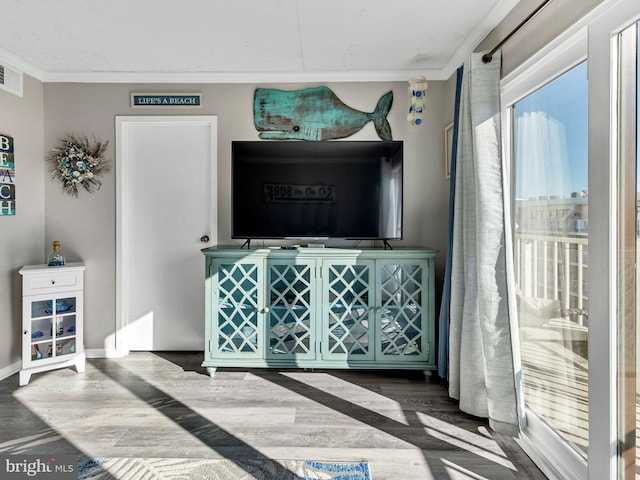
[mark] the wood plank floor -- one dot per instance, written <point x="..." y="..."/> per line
<point x="164" y="405"/>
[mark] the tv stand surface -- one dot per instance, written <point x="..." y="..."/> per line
<point x="319" y="308"/>
<point x="315" y="244"/>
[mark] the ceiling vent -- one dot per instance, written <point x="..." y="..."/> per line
<point x="10" y="80"/>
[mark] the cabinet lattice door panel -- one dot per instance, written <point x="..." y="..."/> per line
<point x="401" y="305"/>
<point x="291" y="306"/>
<point x="348" y="317"/>
<point x="319" y="308"/>
<point x="238" y="323"/>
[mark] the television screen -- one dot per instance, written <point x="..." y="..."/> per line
<point x="297" y="190"/>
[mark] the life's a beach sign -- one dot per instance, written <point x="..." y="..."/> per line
<point x="7" y="177"/>
<point x="166" y="100"/>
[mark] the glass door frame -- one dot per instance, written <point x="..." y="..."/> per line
<point x="543" y="444"/>
<point x="606" y="420"/>
<point x="594" y="38"/>
<point x="627" y="115"/>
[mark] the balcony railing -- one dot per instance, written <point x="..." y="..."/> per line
<point x="554" y="268"/>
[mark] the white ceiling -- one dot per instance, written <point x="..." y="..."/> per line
<point x="243" y="40"/>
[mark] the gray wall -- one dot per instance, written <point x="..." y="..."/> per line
<point x="86" y="226"/>
<point x="22" y="235"/>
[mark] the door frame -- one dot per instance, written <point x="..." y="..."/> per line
<point x="123" y="124"/>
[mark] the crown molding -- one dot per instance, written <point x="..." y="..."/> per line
<point x="15" y="62"/>
<point x="240" y="77"/>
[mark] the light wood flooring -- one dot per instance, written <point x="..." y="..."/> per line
<point x="164" y="405"/>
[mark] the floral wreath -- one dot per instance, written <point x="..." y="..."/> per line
<point x="78" y="162"/>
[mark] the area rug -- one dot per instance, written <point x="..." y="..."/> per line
<point x="218" y="469"/>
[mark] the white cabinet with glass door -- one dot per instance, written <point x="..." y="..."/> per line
<point x="52" y="318"/>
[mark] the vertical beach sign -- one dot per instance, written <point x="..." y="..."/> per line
<point x="7" y="177"/>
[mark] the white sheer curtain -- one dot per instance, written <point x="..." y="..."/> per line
<point x="484" y="356"/>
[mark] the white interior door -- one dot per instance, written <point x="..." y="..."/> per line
<point x="166" y="180"/>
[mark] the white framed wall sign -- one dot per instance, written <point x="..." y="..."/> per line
<point x="166" y="100"/>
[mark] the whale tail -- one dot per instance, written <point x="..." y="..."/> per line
<point x="383" y="129"/>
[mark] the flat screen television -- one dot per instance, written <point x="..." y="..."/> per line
<point x="317" y="190"/>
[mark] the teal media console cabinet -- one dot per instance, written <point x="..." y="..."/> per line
<point x="319" y="308"/>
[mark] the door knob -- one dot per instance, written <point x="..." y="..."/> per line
<point x="204" y="238"/>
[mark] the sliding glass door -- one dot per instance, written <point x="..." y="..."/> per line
<point x="550" y="167"/>
<point x="571" y="141"/>
<point x="546" y="144"/>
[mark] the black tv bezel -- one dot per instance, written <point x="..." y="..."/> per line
<point x="398" y="144"/>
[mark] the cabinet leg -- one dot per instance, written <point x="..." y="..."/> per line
<point x="24" y="378"/>
<point x="211" y="371"/>
<point x="427" y="374"/>
<point x="80" y="365"/>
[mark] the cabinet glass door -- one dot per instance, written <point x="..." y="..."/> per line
<point x="65" y="322"/>
<point x="402" y="301"/>
<point x="52" y="327"/>
<point x="240" y="308"/>
<point x="41" y="329"/>
<point x="291" y="309"/>
<point x="348" y="314"/>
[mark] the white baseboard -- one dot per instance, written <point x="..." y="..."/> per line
<point x="10" y="370"/>
<point x="105" y="353"/>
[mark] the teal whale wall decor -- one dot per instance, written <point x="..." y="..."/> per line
<point x="314" y="114"/>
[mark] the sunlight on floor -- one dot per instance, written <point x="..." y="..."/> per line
<point x="404" y="427"/>
<point x="20" y="445"/>
<point x="358" y="395"/>
<point x="480" y="444"/>
<point x="456" y="471"/>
